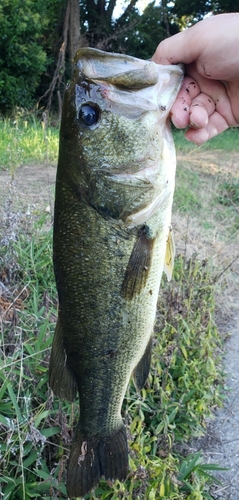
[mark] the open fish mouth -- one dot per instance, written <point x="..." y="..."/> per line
<point x="129" y="86"/>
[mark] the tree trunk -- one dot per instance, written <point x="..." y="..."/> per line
<point x="69" y="45"/>
<point x="74" y="28"/>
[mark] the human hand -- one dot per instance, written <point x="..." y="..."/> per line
<point x="208" y="102"/>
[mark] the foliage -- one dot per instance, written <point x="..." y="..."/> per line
<point x="33" y="36"/>
<point x="143" y="30"/>
<point x="29" y="31"/>
<point x="188" y="12"/>
<point x="133" y="32"/>
<point x="22" y="58"/>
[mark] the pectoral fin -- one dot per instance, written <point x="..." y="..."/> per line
<point x="137" y="270"/>
<point x="61" y="379"/>
<point x="140" y="373"/>
<point x="169" y="255"/>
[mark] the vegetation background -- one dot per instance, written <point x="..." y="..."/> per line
<point x="37" y="43"/>
<point x="39" y="39"/>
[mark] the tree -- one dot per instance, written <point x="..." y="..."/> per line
<point x="68" y="43"/>
<point x="188" y="12"/>
<point x="29" y="32"/>
<point x="131" y="33"/>
<point x="152" y="26"/>
<point x="39" y="38"/>
<point x="22" y="58"/>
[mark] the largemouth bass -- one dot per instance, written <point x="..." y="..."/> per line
<point x="114" y="193"/>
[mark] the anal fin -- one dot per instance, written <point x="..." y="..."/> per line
<point x="141" y="371"/>
<point x="169" y="255"/>
<point x="61" y="379"/>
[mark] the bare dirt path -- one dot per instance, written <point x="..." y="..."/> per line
<point x="222" y="443"/>
<point x="31" y="190"/>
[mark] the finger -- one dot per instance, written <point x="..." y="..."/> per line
<point x="181" y="108"/>
<point x="216" y="91"/>
<point x="201" y="108"/>
<point x="216" y="125"/>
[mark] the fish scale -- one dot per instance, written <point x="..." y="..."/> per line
<point x="112" y="218"/>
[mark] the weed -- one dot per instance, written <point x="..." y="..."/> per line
<point x="229" y="194"/>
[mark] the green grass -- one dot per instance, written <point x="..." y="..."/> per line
<point x="228" y="141"/>
<point x="229" y="194"/>
<point x="188" y="186"/>
<point x="24" y="141"/>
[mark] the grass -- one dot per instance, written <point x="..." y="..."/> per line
<point x="228" y="142"/>
<point x="185" y="380"/>
<point x="24" y="141"/>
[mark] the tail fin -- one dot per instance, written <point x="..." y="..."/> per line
<point x="93" y="457"/>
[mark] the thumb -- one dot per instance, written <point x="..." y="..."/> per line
<point x="176" y="49"/>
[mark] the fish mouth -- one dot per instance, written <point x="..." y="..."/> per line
<point x="128" y="85"/>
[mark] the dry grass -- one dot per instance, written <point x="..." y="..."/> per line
<point x="211" y="232"/>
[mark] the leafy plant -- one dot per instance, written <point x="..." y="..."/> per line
<point x="22" y="57"/>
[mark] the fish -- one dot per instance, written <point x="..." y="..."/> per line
<point x="112" y="239"/>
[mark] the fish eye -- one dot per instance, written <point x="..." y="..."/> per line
<point x="89" y="114"/>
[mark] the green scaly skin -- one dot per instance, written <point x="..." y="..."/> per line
<point x="107" y="270"/>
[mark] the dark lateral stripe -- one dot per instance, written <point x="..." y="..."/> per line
<point x="138" y="267"/>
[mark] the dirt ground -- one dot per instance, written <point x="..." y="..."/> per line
<point x="32" y="187"/>
<point x="31" y="191"/>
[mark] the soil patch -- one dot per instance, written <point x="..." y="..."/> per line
<point x="31" y="187"/>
